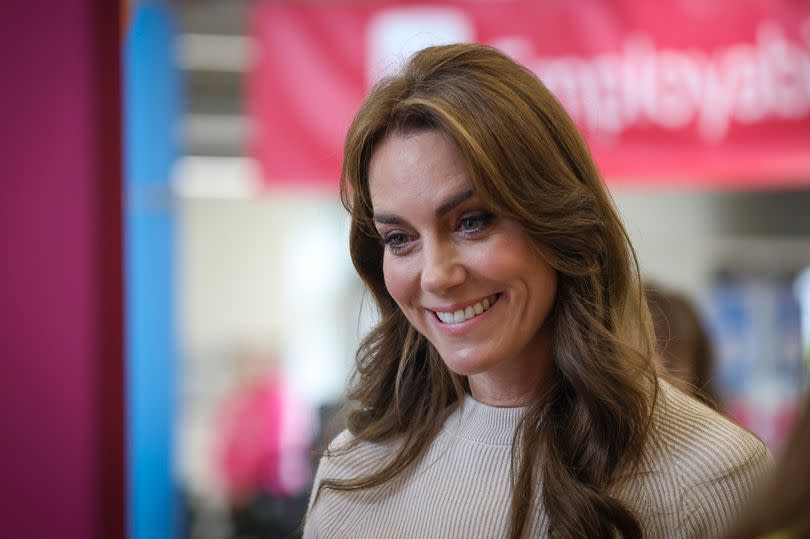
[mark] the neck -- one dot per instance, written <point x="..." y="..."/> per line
<point x="514" y="384"/>
<point x="502" y="397"/>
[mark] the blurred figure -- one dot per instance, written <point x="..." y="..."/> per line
<point x="263" y="441"/>
<point x="781" y="510"/>
<point x="683" y="346"/>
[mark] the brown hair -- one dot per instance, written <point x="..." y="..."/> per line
<point x="528" y="163"/>
<point x="781" y="505"/>
<point x="682" y="339"/>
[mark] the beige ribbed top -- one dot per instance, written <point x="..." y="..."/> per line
<point x="698" y="470"/>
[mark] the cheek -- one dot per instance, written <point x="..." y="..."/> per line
<point x="545" y="285"/>
<point x="548" y="278"/>
<point x="398" y="280"/>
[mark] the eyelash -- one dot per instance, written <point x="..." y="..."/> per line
<point x="389" y="239"/>
<point x="483" y="218"/>
<point x="395" y="241"/>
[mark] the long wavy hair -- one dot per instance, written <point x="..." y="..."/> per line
<point x="527" y="162"/>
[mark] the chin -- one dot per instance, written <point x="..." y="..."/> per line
<point x="467" y="366"/>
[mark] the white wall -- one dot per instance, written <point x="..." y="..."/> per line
<point x="683" y="237"/>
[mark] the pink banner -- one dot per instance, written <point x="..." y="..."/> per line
<point x="666" y="93"/>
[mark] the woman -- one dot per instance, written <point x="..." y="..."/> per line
<point x="507" y="390"/>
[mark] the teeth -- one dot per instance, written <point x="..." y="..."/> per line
<point x="468" y="312"/>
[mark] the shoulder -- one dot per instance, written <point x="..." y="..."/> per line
<point x="345" y="458"/>
<point x="716" y="462"/>
<point x="703" y="441"/>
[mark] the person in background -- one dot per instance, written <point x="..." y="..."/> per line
<point x="263" y="441"/>
<point x="508" y="389"/>
<point x="683" y="346"/>
<point x="781" y="509"/>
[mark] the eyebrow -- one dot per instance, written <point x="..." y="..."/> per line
<point x="445" y="207"/>
<point x="453" y="202"/>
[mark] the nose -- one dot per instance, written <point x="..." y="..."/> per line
<point x="442" y="268"/>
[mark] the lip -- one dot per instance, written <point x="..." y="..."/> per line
<point x="467" y="325"/>
<point x="453" y="307"/>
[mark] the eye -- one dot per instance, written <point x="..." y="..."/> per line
<point x="475" y="223"/>
<point x="395" y="241"/>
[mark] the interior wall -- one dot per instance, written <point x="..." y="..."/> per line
<point x="271" y="271"/>
<point x="685" y="238"/>
<point x="61" y="288"/>
<point x="673" y="233"/>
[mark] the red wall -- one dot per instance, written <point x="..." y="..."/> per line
<point x="61" y="455"/>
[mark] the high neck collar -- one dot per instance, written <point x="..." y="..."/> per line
<point x="483" y="423"/>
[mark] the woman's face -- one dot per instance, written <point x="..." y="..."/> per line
<point x="468" y="280"/>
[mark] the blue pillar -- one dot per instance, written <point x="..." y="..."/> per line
<point x="152" y="113"/>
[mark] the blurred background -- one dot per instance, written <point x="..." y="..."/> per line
<point x="218" y="305"/>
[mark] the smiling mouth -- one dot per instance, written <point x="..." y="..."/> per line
<point x="470" y="311"/>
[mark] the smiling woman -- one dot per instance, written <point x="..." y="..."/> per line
<point x="459" y="273"/>
<point x="508" y="389"/>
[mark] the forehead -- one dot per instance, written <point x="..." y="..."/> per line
<point x="425" y="165"/>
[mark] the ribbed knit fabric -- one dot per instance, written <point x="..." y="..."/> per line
<point x="697" y="471"/>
